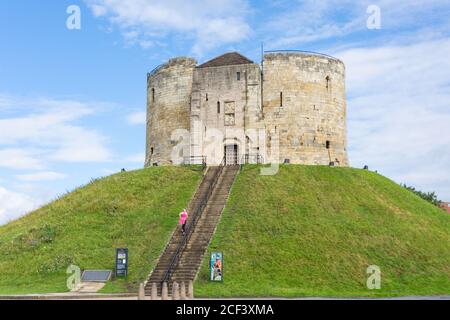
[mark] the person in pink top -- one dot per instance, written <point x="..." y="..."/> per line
<point x="182" y="221"/>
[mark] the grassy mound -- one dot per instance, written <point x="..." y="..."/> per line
<point x="137" y="210"/>
<point x="313" y="231"/>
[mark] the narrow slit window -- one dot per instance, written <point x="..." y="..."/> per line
<point x="206" y="97"/>
<point x="151" y="151"/>
<point x="328" y="143"/>
<point x="281" y="99"/>
<point x="153" y="94"/>
<point x="328" y="82"/>
<point x="238" y="76"/>
<point x="218" y="106"/>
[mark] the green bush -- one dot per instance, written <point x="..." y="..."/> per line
<point x="431" y="197"/>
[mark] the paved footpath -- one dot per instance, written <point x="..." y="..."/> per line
<point x="71" y="296"/>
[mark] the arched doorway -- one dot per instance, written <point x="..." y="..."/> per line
<point x="231" y="154"/>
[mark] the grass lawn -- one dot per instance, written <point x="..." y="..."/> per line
<point x="137" y="210"/>
<point x="314" y="230"/>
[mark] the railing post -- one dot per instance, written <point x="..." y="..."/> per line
<point x="175" y="291"/>
<point x="183" y="291"/>
<point x="164" y="292"/>
<point x="191" y="290"/>
<point x="154" y="295"/>
<point x="141" y="295"/>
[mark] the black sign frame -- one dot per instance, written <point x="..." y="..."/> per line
<point x="121" y="262"/>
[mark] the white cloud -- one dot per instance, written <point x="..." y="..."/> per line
<point x="37" y="133"/>
<point x="14" y="205"/>
<point x="5" y="102"/>
<point x="207" y="23"/>
<point x="41" y="176"/>
<point x="14" y="158"/>
<point x="81" y="145"/>
<point x="311" y="21"/>
<point x="46" y="127"/>
<point x="98" y="10"/>
<point x="136" y="158"/>
<point x="137" y="118"/>
<point x="109" y="171"/>
<point x="399" y="111"/>
<point x="308" y="21"/>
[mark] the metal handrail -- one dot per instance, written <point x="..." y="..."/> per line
<point x="246" y="158"/>
<point x="193" y="223"/>
<point x="301" y="51"/>
<point x="189" y="160"/>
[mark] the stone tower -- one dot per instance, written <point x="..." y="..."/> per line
<point x="291" y="109"/>
<point x="169" y="89"/>
<point x="304" y="105"/>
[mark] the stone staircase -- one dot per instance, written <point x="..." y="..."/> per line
<point x="183" y="255"/>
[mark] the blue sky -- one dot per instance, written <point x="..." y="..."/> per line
<point x="72" y="102"/>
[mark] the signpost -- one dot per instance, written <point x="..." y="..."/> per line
<point x="121" y="262"/>
<point x="216" y="267"/>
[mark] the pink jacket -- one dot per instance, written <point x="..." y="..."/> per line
<point x="183" y="217"/>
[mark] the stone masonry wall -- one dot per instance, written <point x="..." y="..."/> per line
<point x="304" y="106"/>
<point x="225" y="100"/>
<point x="169" y="91"/>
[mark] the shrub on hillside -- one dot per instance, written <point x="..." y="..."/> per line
<point x="427" y="196"/>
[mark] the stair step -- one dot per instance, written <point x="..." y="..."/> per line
<point x="190" y="260"/>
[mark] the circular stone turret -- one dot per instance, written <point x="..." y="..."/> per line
<point x="305" y="108"/>
<point x="169" y="90"/>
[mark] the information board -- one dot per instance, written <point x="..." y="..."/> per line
<point x="121" y="262"/>
<point x="216" y="266"/>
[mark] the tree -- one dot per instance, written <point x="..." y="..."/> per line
<point x="427" y="196"/>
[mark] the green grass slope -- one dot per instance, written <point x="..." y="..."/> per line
<point x="137" y="210"/>
<point x="313" y="231"/>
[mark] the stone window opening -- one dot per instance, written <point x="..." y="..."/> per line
<point x="281" y="99"/>
<point x="218" y="106"/>
<point x="328" y="144"/>
<point x="153" y="94"/>
<point x="151" y="151"/>
<point x="206" y="97"/>
<point x="328" y="82"/>
<point x="238" y="76"/>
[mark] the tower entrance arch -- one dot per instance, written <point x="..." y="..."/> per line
<point x="231" y="154"/>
